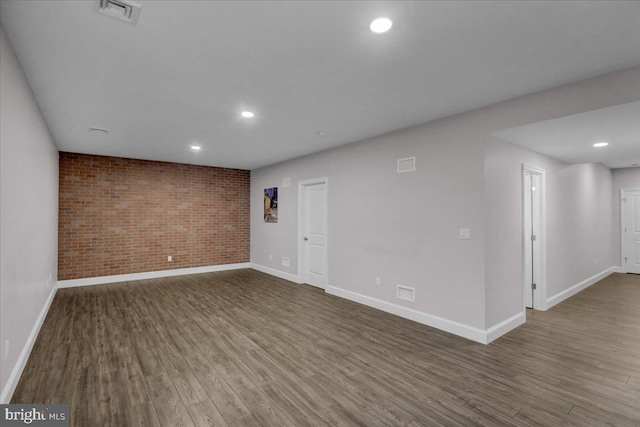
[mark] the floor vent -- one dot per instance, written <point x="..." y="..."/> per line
<point x="121" y="9"/>
<point x="406" y="165"/>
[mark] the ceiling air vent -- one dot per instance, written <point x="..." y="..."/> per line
<point x="121" y="9"/>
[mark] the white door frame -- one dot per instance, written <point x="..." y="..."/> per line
<point x="623" y="222"/>
<point x="302" y="185"/>
<point x="540" y="296"/>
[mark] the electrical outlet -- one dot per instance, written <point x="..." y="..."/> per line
<point x="286" y="262"/>
<point x="270" y="257"/>
<point x="169" y="258"/>
<point x="6" y="348"/>
<point x="378" y="281"/>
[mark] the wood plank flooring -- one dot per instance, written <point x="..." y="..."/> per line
<point x="242" y="348"/>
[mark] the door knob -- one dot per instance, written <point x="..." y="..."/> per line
<point x="306" y="238"/>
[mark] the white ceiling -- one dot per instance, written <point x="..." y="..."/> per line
<point x="188" y="68"/>
<point x="571" y="138"/>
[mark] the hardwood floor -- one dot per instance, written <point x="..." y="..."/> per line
<point x="244" y="348"/>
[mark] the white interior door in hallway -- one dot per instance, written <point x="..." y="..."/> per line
<point x="313" y="232"/>
<point x="631" y="229"/>
<point x="533" y="238"/>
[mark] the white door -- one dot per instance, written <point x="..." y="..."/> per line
<point x="314" y="234"/>
<point x="631" y="237"/>
<point x="533" y="238"/>
<point x="530" y="239"/>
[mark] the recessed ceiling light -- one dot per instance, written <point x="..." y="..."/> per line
<point x="322" y="133"/>
<point x="247" y="114"/>
<point x="196" y="147"/>
<point x="381" y="25"/>
<point x="600" y="144"/>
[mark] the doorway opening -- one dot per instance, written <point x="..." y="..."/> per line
<point x="313" y="233"/>
<point x="534" y="238"/>
<point x="630" y="229"/>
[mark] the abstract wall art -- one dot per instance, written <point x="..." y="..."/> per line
<point x="271" y="204"/>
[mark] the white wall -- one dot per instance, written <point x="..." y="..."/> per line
<point x="503" y="210"/>
<point x="580" y="242"/>
<point x="28" y="216"/>
<point x="626" y="178"/>
<point x="568" y="262"/>
<point x="622" y="178"/>
<point x="403" y="228"/>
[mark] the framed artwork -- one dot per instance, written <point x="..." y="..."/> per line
<point x="271" y="204"/>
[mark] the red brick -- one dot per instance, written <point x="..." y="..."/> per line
<point x="121" y="216"/>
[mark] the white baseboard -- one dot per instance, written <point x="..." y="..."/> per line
<point x="456" y="328"/>
<point x="16" y="373"/>
<point x="446" y="325"/>
<point x="277" y="273"/>
<point x="505" y="326"/>
<point x="568" y="293"/>
<point x="149" y="275"/>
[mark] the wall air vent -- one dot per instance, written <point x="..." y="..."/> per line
<point x="121" y="9"/>
<point x="406" y="293"/>
<point x="407" y="164"/>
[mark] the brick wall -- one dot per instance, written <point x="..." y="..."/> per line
<point x="120" y="216"/>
